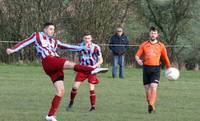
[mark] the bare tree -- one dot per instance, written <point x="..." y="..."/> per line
<point x="100" y="17"/>
<point x="172" y="18"/>
<point x="20" y="18"/>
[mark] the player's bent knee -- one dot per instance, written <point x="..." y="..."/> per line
<point x="92" y="87"/>
<point x="66" y="64"/>
<point x="61" y="92"/>
<point x="75" y="87"/>
<point x="69" y="64"/>
<point x="154" y="85"/>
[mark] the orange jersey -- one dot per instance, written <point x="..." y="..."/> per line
<point x="152" y="53"/>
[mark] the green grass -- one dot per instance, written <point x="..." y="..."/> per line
<point x="26" y="93"/>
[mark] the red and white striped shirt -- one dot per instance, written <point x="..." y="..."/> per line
<point x="91" y="55"/>
<point x="45" y="45"/>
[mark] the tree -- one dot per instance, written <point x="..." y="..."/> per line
<point x="100" y="17"/>
<point x="20" y="18"/>
<point x="171" y="17"/>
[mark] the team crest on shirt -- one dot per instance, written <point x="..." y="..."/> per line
<point x="44" y="42"/>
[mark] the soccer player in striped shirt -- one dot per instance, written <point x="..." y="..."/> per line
<point x="152" y="50"/>
<point x="46" y="45"/>
<point x="91" y="57"/>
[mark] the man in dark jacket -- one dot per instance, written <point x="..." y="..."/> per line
<point x="118" y="45"/>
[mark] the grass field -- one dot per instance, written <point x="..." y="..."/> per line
<point x="26" y="93"/>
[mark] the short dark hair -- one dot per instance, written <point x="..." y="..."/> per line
<point x="152" y="28"/>
<point x="48" y="24"/>
<point x="87" y="33"/>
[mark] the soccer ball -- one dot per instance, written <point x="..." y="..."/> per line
<point x="172" y="74"/>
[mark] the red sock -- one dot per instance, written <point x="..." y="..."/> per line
<point x="83" y="69"/>
<point x="73" y="94"/>
<point x="55" y="103"/>
<point x="92" y="98"/>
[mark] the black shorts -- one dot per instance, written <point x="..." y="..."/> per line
<point x="151" y="74"/>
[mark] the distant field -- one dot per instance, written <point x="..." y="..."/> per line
<point x="26" y="93"/>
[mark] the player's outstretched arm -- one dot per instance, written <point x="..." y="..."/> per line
<point x="21" y="44"/>
<point x="9" y="51"/>
<point x="70" y="47"/>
